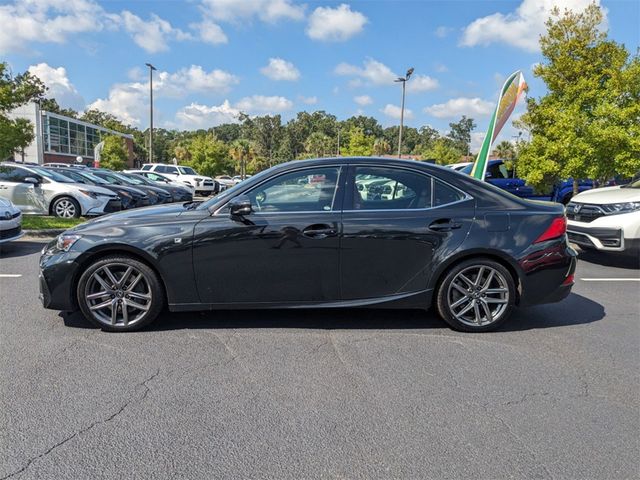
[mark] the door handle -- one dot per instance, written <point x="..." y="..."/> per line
<point x="444" y="225"/>
<point x="319" y="231"/>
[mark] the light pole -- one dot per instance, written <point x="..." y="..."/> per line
<point x="151" y="69"/>
<point x="403" y="80"/>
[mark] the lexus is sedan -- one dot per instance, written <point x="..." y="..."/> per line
<point x="302" y="235"/>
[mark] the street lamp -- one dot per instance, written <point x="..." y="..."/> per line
<point x="403" y="80"/>
<point x="151" y="69"/>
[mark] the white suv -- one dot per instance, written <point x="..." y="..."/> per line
<point x="202" y="185"/>
<point x="606" y="219"/>
<point x="36" y="190"/>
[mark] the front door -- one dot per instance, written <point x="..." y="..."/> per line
<point x="29" y="198"/>
<point x="396" y="222"/>
<point x="285" y="251"/>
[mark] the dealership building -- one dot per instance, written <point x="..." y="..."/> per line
<point x="62" y="139"/>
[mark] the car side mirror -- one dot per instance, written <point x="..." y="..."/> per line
<point x="240" y="206"/>
<point x="32" y="180"/>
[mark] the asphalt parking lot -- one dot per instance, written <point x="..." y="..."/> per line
<point x="555" y="393"/>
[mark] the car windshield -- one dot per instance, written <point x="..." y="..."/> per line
<point x="635" y="184"/>
<point x="93" y="178"/>
<point x="56" y="177"/>
<point x="128" y="180"/>
<point x="187" y="171"/>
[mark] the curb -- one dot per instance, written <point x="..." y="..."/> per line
<point x="45" y="232"/>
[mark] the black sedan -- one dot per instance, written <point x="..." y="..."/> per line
<point x="130" y="197"/>
<point x="156" y="195"/>
<point x="178" y="194"/>
<point x="345" y="232"/>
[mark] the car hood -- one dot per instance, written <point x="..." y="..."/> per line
<point x="137" y="216"/>
<point x="89" y="188"/>
<point x="608" y="195"/>
<point x="5" y="203"/>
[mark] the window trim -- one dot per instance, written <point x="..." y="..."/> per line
<point x="351" y="176"/>
<point x="336" y="198"/>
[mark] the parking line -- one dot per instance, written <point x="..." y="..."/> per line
<point x="10" y="275"/>
<point x="610" y="279"/>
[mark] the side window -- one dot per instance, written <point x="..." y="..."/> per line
<point x="161" y="169"/>
<point x="146" y="167"/>
<point x="444" y="194"/>
<point x="173" y="170"/>
<point x="13" y="174"/>
<point x="498" y="170"/>
<point x="377" y="188"/>
<point x="310" y="190"/>
<point x="6" y="174"/>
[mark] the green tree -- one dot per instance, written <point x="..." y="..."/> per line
<point x="51" y="105"/>
<point x="444" y="151"/>
<point x="265" y="133"/>
<point x="243" y="153"/>
<point x="381" y="147"/>
<point x="16" y="135"/>
<point x="460" y="133"/>
<point x="410" y="139"/>
<point x="206" y="154"/>
<point x="114" y="154"/>
<point x="318" y="145"/>
<point x="588" y="124"/>
<point x="359" y="145"/>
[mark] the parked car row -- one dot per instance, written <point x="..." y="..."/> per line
<point x="69" y="192"/>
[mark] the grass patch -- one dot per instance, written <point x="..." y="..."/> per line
<point x="36" y="222"/>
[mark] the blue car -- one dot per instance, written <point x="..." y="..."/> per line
<point x="498" y="175"/>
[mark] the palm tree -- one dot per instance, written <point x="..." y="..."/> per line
<point x="242" y="152"/>
<point x="317" y="144"/>
<point x="381" y="147"/>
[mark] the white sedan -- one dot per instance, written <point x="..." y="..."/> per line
<point x="606" y="219"/>
<point x="10" y="221"/>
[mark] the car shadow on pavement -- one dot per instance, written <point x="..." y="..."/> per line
<point x="607" y="259"/>
<point x="20" y="249"/>
<point x="574" y="310"/>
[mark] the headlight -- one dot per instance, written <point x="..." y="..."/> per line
<point x="187" y="182"/>
<point x="122" y="193"/>
<point x="613" y="208"/>
<point x="89" y="194"/>
<point x="66" y="241"/>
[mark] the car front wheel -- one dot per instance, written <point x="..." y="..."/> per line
<point x="120" y="293"/>
<point x="477" y="295"/>
<point x="66" y="207"/>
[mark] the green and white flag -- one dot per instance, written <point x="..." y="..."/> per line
<point x="509" y="95"/>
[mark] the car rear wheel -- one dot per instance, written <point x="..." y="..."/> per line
<point x="477" y="295"/>
<point x="66" y="207"/>
<point x="120" y="294"/>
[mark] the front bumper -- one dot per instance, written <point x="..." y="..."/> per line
<point x="614" y="233"/>
<point x="57" y="277"/>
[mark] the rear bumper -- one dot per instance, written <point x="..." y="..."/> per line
<point x="548" y="274"/>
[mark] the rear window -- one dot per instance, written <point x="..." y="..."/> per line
<point x="444" y="194"/>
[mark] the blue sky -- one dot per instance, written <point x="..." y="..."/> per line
<point x="216" y="57"/>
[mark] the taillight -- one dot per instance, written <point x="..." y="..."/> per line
<point x="557" y="229"/>
<point x="568" y="280"/>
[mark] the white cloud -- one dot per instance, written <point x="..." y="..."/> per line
<point x="335" y="24"/>
<point x="151" y="35"/>
<point x="129" y="101"/>
<point x="195" y="116"/>
<point x="309" y="100"/>
<point x="472" y="107"/>
<point x="442" y="31"/>
<point x="520" y="28"/>
<point x="393" y="111"/>
<point x="46" y="21"/>
<point x="210" y="32"/>
<point x="265" y="10"/>
<point x="374" y="72"/>
<point x="476" y="141"/>
<point x="421" y="83"/>
<point x="363" y="100"/>
<point x="263" y="104"/>
<point x="279" y="69"/>
<point x="441" y="68"/>
<point x="60" y="87"/>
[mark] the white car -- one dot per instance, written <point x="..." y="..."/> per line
<point x="10" y="221"/>
<point x="36" y="190"/>
<point x="459" y="166"/>
<point x="162" y="179"/>
<point x="202" y="185"/>
<point x="606" y="219"/>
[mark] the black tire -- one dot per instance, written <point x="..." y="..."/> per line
<point x="66" y="204"/>
<point x="501" y="302"/>
<point x="148" y="285"/>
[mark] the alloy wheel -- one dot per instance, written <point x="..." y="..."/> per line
<point x="65" y="209"/>
<point x="118" y="294"/>
<point x="478" y="295"/>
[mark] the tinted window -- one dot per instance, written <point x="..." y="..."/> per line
<point x="383" y="188"/>
<point x="498" y="170"/>
<point x="169" y="170"/>
<point x="13" y="174"/>
<point x="309" y="190"/>
<point x="186" y="171"/>
<point x="443" y="194"/>
<point x="146" y="167"/>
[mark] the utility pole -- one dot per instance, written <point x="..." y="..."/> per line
<point x="404" y="81"/>
<point x="338" y="152"/>
<point x="151" y="69"/>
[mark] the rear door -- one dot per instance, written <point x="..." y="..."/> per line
<point x="397" y="222"/>
<point x="27" y="197"/>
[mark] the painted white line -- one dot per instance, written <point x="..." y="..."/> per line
<point x="10" y="275"/>
<point x="610" y="279"/>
